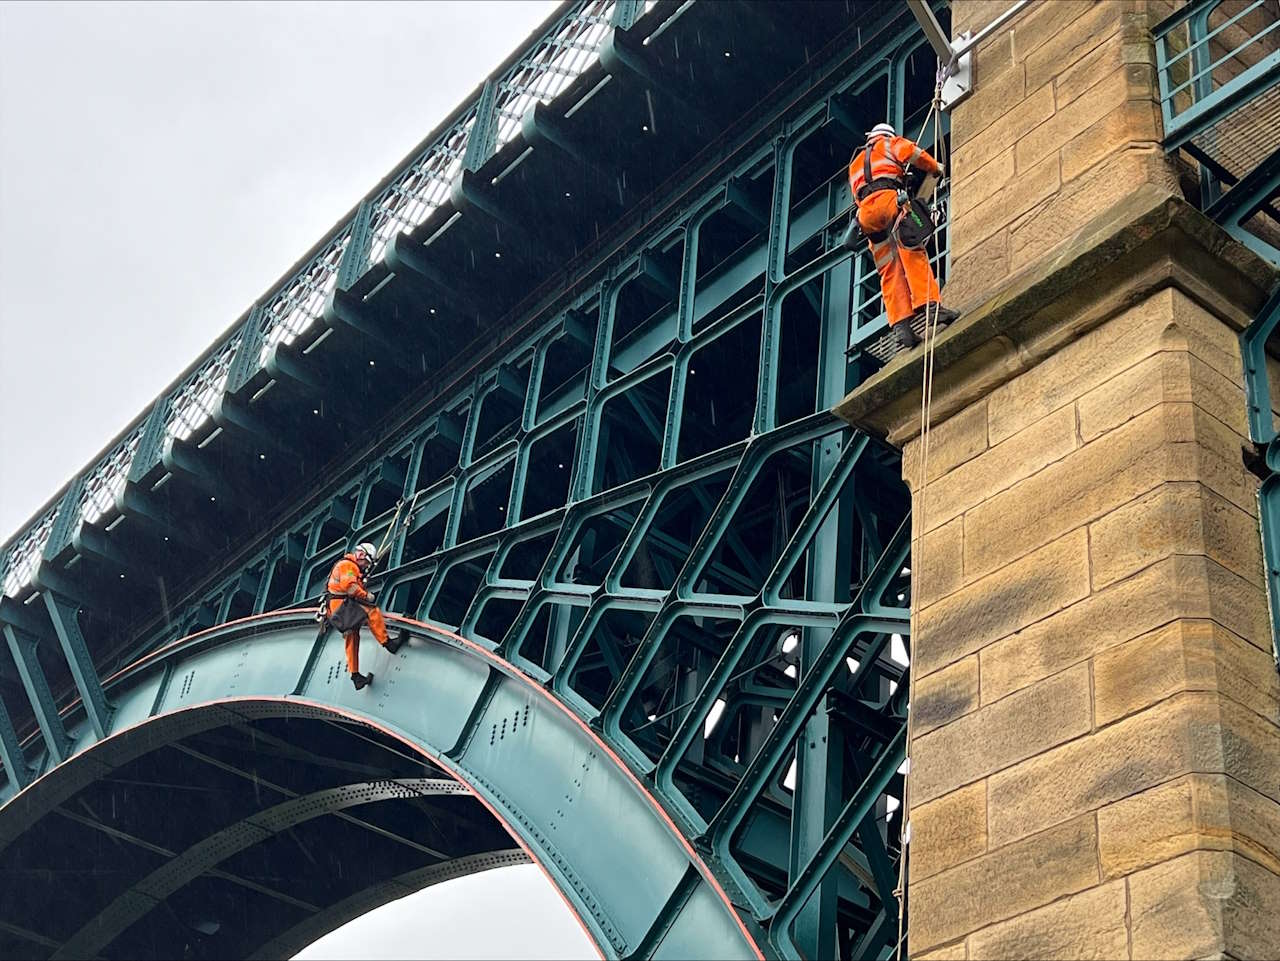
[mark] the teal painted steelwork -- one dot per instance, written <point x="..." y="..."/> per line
<point x="1192" y="99"/>
<point x="1218" y="67"/>
<point x="1262" y="431"/>
<point x="470" y="713"/>
<point x="636" y="495"/>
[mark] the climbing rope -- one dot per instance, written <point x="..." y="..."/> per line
<point x="917" y="554"/>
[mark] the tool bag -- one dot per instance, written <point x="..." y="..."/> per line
<point x="349" y="615"/>
<point x="915" y="225"/>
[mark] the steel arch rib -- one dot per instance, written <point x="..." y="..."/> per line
<point x="289" y="943"/>
<point x="556" y="787"/>
<point x="132" y="905"/>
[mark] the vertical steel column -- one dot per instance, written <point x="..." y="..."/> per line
<point x="248" y="356"/>
<point x="1262" y="431"/>
<point x="484" y="132"/>
<point x="22" y="646"/>
<point x="355" y="258"/>
<point x="63" y="614"/>
<point x="819" y="764"/>
<point x="626" y="12"/>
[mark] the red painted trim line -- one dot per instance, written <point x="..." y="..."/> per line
<point x="505" y="667"/>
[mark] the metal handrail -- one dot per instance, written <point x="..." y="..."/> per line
<point x="1207" y="103"/>
<point x="565" y="45"/>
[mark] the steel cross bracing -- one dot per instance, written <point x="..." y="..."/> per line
<point x="639" y="501"/>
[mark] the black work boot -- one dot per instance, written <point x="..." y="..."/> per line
<point x="903" y="337"/>
<point x="396" y="642"/>
<point x="361" y="681"/>
<point x="937" y="314"/>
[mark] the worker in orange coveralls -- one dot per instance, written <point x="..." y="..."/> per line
<point x="877" y="177"/>
<point x="351" y="605"/>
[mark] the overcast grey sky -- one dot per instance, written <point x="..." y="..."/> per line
<point x="161" y="164"/>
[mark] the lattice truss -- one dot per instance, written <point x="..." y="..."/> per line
<point x="553" y="62"/>
<point x="645" y="505"/>
<point x="25" y="554"/>
<point x="550" y="64"/>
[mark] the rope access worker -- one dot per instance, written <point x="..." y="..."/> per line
<point x="877" y="177"/>
<point x="351" y="604"/>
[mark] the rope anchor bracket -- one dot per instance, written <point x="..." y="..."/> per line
<point x="956" y="56"/>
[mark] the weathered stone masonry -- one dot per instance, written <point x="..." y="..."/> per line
<point x="1096" y="715"/>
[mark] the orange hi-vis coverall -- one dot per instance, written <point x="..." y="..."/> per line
<point x="346" y="581"/>
<point x="906" y="279"/>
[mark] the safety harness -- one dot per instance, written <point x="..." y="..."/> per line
<point x="349" y="615"/>
<point x="870" y="185"/>
<point x="914" y="224"/>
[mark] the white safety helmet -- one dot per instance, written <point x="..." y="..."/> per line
<point x="881" y="130"/>
<point x="368" y="550"/>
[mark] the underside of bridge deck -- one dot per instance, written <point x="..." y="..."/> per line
<point x="589" y="333"/>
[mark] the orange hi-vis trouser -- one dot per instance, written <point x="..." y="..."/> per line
<point x="346" y="585"/>
<point x="377" y="627"/>
<point x="906" y="279"/>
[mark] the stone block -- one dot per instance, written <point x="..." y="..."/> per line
<point x="1176" y="372"/>
<point x="1176" y="737"/>
<point x="973" y="15"/>
<point x="1004" y="883"/>
<point x="1205" y="903"/>
<point x="1217" y="659"/>
<point x="1231" y="538"/>
<point x="1077" y="203"/>
<point x="1077" y="42"/>
<point x="1080" y="488"/>
<point x="1199" y="812"/>
<point x="1253" y="818"/>
<point x="1250" y="747"/>
<point x="1004" y="132"/>
<point x="996" y="606"/>
<point x="1234" y="603"/>
<point x="948" y="831"/>
<point x="1160" y="825"/>
<point x="978" y="272"/>
<point x="1175" y="518"/>
<point x="1031" y="187"/>
<point x="1080" y="366"/>
<point x="939" y="563"/>
<point x="1217" y="395"/>
<point x="956" y="440"/>
<point x="985" y="182"/>
<point x="1128" y="123"/>
<point x="1043" y="23"/>
<point x="1071" y="118"/>
<point x="1123" y="611"/>
<point x="1211" y="337"/>
<point x="1163" y="377"/>
<point x="944" y="696"/>
<point x="1142" y="672"/>
<point x="1000" y="88"/>
<point x="1021" y="455"/>
<point x="1218" y="463"/>
<point x="1092" y="924"/>
<point x="951" y="952"/>
<point x="1073" y="80"/>
<point x="1181" y="586"/>
<point x="1022" y="725"/>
